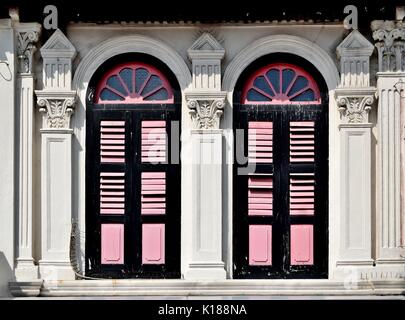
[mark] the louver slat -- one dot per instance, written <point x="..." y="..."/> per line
<point x="154" y="141"/>
<point x="112" y="141"/>
<point x="302" y="194"/>
<point x="153" y="193"/>
<point x="260" y="195"/>
<point x="260" y="142"/>
<point x="302" y="141"/>
<point x="112" y="193"/>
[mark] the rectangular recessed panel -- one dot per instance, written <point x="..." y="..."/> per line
<point x="154" y="141"/>
<point x="260" y="195"/>
<point x="302" y="244"/>
<point x="260" y="142"/>
<point x="260" y="245"/>
<point x="112" y="141"/>
<point x="153" y="193"/>
<point x="112" y="243"/>
<point x="302" y="141"/>
<point x="302" y="194"/>
<point x="112" y="192"/>
<point x="153" y="243"/>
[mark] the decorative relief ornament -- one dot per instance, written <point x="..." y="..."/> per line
<point x="25" y="49"/>
<point x="206" y="114"/>
<point x="390" y="43"/>
<point x="355" y="109"/>
<point x="56" y="110"/>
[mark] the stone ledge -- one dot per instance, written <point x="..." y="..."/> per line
<point x="282" y="287"/>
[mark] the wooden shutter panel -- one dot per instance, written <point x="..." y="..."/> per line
<point x="153" y="190"/>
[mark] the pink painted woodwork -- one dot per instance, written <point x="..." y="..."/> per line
<point x="135" y="83"/>
<point x="153" y="193"/>
<point x="112" y="243"/>
<point x="302" y="194"/>
<point x="302" y="141"/>
<point x="112" y="141"/>
<point x="281" y="83"/>
<point x="153" y="243"/>
<point x="260" y="195"/>
<point x="112" y="193"/>
<point x="302" y="244"/>
<point x="154" y="141"/>
<point x="260" y="142"/>
<point x="260" y="250"/>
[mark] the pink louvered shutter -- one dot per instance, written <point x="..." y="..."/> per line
<point x="112" y="189"/>
<point x="154" y="144"/>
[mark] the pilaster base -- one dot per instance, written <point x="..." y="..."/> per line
<point x="26" y="270"/>
<point x="56" y="270"/>
<point x="25" y="288"/>
<point x="206" y="271"/>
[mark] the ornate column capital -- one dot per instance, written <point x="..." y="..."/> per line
<point x="206" y="109"/>
<point x="27" y="35"/>
<point x="56" y="108"/>
<point x="390" y="43"/>
<point x="355" y="105"/>
<point x="56" y="100"/>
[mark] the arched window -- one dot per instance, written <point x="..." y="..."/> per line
<point x="132" y="172"/>
<point x="135" y="83"/>
<point x="281" y="83"/>
<point x="280" y="201"/>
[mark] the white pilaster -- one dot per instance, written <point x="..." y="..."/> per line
<point x="56" y="103"/>
<point x="7" y="155"/>
<point x="27" y="35"/>
<point x="355" y="99"/>
<point x="206" y="102"/>
<point x="390" y="42"/>
<point x="206" y="256"/>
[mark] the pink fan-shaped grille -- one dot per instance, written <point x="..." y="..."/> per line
<point x="135" y="83"/>
<point x="281" y="83"/>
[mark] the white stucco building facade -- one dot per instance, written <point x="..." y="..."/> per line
<point x="44" y="88"/>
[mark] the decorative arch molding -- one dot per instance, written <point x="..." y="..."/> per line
<point x="282" y="44"/>
<point x="135" y="43"/>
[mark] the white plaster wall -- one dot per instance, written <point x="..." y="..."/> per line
<point x="7" y="156"/>
<point x="233" y="38"/>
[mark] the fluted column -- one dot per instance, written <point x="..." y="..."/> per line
<point x="390" y="43"/>
<point x="27" y="35"/>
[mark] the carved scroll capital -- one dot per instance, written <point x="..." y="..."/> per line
<point x="56" y="109"/>
<point x="206" y="110"/>
<point x="27" y="36"/>
<point x="354" y="107"/>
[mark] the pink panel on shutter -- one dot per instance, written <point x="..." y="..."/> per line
<point x="260" y="245"/>
<point x="302" y="194"/>
<point x="112" y="192"/>
<point x="112" y="141"/>
<point x="153" y="193"/>
<point x="154" y="141"/>
<point x="302" y="245"/>
<point x="302" y="141"/>
<point x="153" y="243"/>
<point x="260" y="195"/>
<point x="260" y="142"/>
<point x="112" y="243"/>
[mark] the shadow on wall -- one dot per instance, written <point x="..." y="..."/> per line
<point x="6" y="275"/>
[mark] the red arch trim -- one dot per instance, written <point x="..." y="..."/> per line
<point x="125" y="89"/>
<point x="273" y="91"/>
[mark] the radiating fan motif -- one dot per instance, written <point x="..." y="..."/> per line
<point x="281" y="84"/>
<point x="134" y="83"/>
